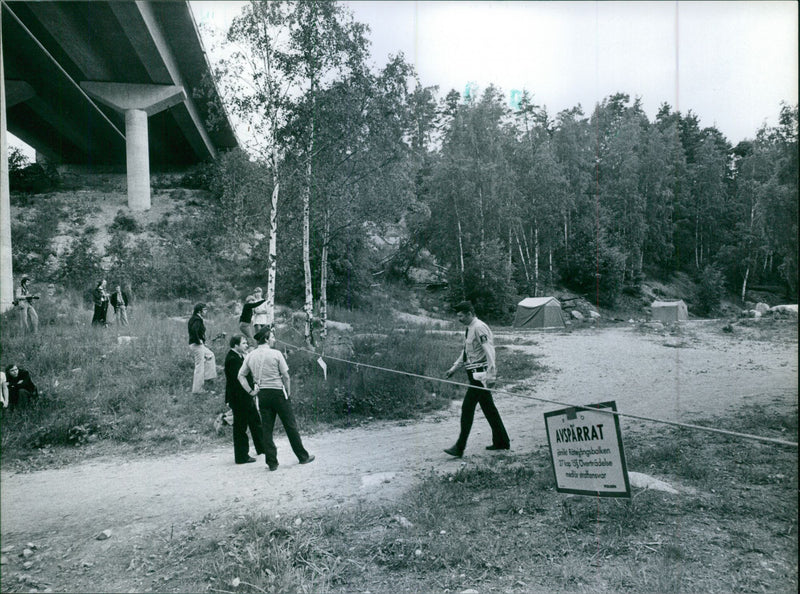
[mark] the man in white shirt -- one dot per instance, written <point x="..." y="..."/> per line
<point x="272" y="385"/>
<point x="478" y="359"/>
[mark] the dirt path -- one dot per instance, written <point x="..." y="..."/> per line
<point x="701" y="372"/>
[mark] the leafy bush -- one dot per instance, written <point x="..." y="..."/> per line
<point x="33" y="179"/>
<point x="124" y="222"/>
<point x="711" y="288"/>
<point x="31" y="238"/>
<point x="80" y="266"/>
<point x="199" y="178"/>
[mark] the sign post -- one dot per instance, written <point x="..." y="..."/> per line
<point x="586" y="451"/>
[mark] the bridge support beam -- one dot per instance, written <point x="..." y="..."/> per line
<point x="137" y="102"/>
<point x="6" y="270"/>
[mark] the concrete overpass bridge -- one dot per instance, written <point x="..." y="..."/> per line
<point x="106" y="83"/>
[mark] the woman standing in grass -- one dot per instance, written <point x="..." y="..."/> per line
<point x="246" y="319"/>
<point x="260" y="312"/>
<point x="205" y="365"/>
<point x="100" y="297"/>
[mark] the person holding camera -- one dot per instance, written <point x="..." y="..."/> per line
<point x="28" y="318"/>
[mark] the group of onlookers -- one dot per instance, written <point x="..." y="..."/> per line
<point x="257" y="382"/>
<point x="17" y="386"/>
<point x="120" y="300"/>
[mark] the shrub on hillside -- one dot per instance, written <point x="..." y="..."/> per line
<point x="199" y="178"/>
<point x="710" y="289"/>
<point x="33" y="179"/>
<point x="124" y="222"/>
<point x="352" y="393"/>
<point x="80" y="265"/>
<point x="32" y="236"/>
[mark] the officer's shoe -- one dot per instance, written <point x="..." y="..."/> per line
<point x="454" y="451"/>
<point x="311" y="458"/>
<point x="496" y="447"/>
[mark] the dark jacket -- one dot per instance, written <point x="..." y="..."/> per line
<point x="197" y="330"/>
<point x="234" y="393"/>
<point x="21" y="382"/>
<point x="115" y="302"/>
<point x="247" y="311"/>
<point x="99" y="296"/>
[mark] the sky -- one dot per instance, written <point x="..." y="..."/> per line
<point x="731" y="63"/>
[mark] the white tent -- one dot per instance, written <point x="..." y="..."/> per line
<point x="669" y="311"/>
<point x="539" y="312"/>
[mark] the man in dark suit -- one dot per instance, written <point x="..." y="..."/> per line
<point x="242" y="404"/>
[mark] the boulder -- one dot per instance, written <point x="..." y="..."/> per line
<point x="784" y="310"/>
<point x="576" y="314"/>
<point x="593" y="314"/>
<point x="339" y="326"/>
<point x="761" y="308"/>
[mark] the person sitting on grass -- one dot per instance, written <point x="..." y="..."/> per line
<point x="21" y="389"/>
<point x="3" y="390"/>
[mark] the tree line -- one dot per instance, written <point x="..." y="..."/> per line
<point x="512" y="201"/>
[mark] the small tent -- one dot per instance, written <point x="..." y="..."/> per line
<point x="669" y="311"/>
<point x="539" y="312"/>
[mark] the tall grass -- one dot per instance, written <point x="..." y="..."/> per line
<point x="97" y="386"/>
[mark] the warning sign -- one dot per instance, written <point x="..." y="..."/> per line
<point x="586" y="450"/>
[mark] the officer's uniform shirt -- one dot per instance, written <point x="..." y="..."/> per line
<point x="478" y="348"/>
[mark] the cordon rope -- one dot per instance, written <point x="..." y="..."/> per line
<point x="550" y="401"/>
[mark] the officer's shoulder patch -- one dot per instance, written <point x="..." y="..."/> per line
<point x="484" y="338"/>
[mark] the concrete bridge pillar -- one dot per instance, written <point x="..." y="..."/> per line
<point x="137" y="159"/>
<point x="6" y="271"/>
<point x="137" y="102"/>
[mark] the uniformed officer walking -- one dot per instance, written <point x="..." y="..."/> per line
<point x="478" y="359"/>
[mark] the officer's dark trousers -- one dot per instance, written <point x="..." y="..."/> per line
<point x="475" y="395"/>
<point x="273" y="403"/>
<point x="245" y="415"/>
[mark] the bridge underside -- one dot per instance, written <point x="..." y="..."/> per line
<point x="55" y="51"/>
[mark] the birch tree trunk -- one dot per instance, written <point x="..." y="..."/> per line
<point x="536" y="261"/>
<point x="323" y="278"/>
<point x="483" y="235"/>
<point x="308" y="308"/>
<point x="461" y="255"/>
<point x="524" y="262"/>
<point x="510" y="254"/>
<point x="272" y="260"/>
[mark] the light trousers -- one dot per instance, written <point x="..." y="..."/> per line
<point x="205" y="366"/>
<point x="28" y="318"/>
